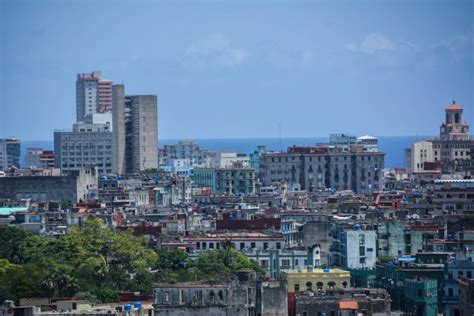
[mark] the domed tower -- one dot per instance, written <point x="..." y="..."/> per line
<point x="454" y="128"/>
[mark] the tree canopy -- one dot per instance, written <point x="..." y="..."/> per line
<point x="95" y="262"/>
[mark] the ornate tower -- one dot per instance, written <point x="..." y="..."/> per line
<point x="454" y="128"/>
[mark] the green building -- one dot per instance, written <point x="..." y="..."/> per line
<point x="396" y="239"/>
<point x="226" y="181"/>
<point x="255" y="157"/>
<point x="421" y="296"/>
<point x="392" y="276"/>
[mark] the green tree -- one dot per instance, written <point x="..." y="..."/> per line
<point x="220" y="263"/>
<point x="10" y="240"/>
<point x="17" y="281"/>
<point x="108" y="259"/>
<point x="173" y="260"/>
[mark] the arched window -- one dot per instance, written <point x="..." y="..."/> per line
<point x="309" y="286"/>
<point x="456" y="118"/>
<point x="344" y="284"/>
<point x="319" y="285"/>
<point x="331" y="284"/>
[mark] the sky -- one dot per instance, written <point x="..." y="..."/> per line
<point x="240" y="69"/>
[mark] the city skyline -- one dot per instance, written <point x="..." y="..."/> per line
<point x="308" y="70"/>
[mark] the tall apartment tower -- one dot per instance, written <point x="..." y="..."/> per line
<point x="135" y="133"/>
<point x="9" y="153"/>
<point x="93" y="95"/>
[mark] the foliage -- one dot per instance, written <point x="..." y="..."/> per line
<point x="10" y="239"/>
<point x="18" y="281"/>
<point x="92" y="260"/>
<point x="173" y="259"/>
<point x="220" y="263"/>
<point x="66" y="204"/>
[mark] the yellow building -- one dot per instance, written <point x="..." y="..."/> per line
<point x="312" y="279"/>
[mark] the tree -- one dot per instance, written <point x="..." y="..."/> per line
<point x="108" y="259"/>
<point x="172" y="259"/>
<point x="65" y="204"/>
<point x="17" y="281"/>
<point x="220" y="263"/>
<point x="10" y="239"/>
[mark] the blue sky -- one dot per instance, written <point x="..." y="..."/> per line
<point x="236" y="69"/>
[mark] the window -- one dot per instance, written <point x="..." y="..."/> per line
<point x="370" y="249"/>
<point x="265" y="245"/>
<point x="167" y="298"/>
<point x="252" y="245"/>
<point x="309" y="286"/>
<point x="242" y="245"/>
<point x="362" y="251"/>
<point x="362" y="239"/>
<point x="297" y="287"/>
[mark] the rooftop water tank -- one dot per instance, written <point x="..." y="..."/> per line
<point x="357" y="227"/>
<point x="138" y="304"/>
<point x="127" y="307"/>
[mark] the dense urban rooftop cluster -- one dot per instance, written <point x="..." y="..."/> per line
<point x="109" y="223"/>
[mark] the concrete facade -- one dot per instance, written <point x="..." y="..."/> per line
<point x="86" y="145"/>
<point x="351" y="302"/>
<point x="185" y="150"/>
<point x="322" y="167"/>
<point x="358" y="249"/>
<point x="118" y="121"/>
<point x="244" y="294"/>
<point x="135" y="133"/>
<point x="77" y="186"/>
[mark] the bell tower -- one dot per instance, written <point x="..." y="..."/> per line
<point x="454" y="128"/>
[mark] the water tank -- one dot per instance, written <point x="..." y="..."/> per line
<point x="127" y="307"/>
<point x="326" y="270"/>
<point x="138" y="304"/>
<point x="357" y="227"/>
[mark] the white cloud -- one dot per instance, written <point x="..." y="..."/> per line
<point x="457" y="47"/>
<point x="214" y="52"/>
<point x="375" y="43"/>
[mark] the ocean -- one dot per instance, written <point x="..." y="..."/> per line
<point x="393" y="146"/>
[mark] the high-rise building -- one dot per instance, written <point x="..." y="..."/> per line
<point x="32" y="158"/>
<point x="3" y="155"/>
<point x="39" y="158"/>
<point x="93" y="95"/>
<point x="86" y="145"/>
<point x="9" y="153"/>
<point x="135" y="133"/>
